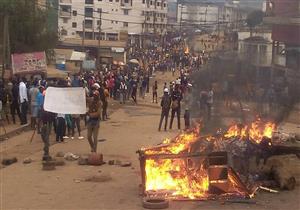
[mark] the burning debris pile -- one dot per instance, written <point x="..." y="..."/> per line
<point x="192" y="166"/>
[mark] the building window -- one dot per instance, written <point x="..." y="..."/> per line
<point x="158" y="4"/>
<point x="151" y="2"/>
<point x="165" y="5"/>
<point x="98" y="22"/>
<point x="88" y="12"/>
<point x="126" y="1"/>
<point x="89" y="1"/>
<point x="65" y="20"/>
<point x="117" y="0"/>
<point x="99" y="10"/>
<point x="88" y="24"/>
<point x="143" y="1"/>
<point x="117" y="22"/>
<point x="125" y="24"/>
<point x="112" y="37"/>
<point x="99" y="0"/>
<point x="126" y="11"/>
<point x="74" y="25"/>
<point x="74" y="13"/>
<point x="110" y="0"/>
<point x="112" y="22"/>
<point x="143" y="13"/>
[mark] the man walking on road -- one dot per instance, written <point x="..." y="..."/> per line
<point x="176" y="99"/>
<point x="24" y="101"/>
<point x="94" y="112"/>
<point x="165" y="108"/>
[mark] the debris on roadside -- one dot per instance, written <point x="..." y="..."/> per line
<point x="9" y="161"/>
<point x="125" y="164"/>
<point x="27" y="161"/>
<point x="70" y="156"/>
<point x="99" y="178"/>
<point x="60" y="154"/>
<point x="95" y="159"/>
<point x="83" y="161"/>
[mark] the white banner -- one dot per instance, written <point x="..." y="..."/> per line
<point x="65" y="100"/>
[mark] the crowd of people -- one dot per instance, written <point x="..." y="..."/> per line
<point x="114" y="82"/>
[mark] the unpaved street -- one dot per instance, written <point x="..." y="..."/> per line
<point x="130" y="128"/>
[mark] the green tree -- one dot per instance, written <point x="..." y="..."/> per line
<point x="253" y="19"/>
<point x="28" y="29"/>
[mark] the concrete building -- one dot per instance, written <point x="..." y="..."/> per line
<point x="208" y="14"/>
<point x="284" y="17"/>
<point x="81" y="18"/>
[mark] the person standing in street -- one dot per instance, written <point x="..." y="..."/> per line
<point x="123" y="89"/>
<point x="209" y="102"/>
<point x="33" y="92"/>
<point x="93" y="122"/>
<point x="23" y="101"/>
<point x="134" y="92"/>
<point x="154" y="92"/>
<point x="175" y="106"/>
<point x="187" y="105"/>
<point x="165" y="108"/>
<point x="46" y="120"/>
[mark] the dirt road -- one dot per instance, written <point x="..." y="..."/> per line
<point x="130" y="128"/>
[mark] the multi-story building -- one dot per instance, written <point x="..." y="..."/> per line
<point x="284" y="16"/>
<point x="78" y="18"/>
<point x="208" y="14"/>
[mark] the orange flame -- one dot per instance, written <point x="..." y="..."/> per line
<point x="173" y="177"/>
<point x="256" y="131"/>
<point x="176" y="178"/>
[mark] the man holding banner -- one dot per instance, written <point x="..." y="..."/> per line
<point x="73" y="101"/>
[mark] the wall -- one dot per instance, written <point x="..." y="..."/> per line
<point x="113" y="13"/>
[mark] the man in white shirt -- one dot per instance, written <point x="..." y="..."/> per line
<point x="23" y="101"/>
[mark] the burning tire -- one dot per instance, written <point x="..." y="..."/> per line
<point x="155" y="203"/>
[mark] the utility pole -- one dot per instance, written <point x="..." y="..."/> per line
<point x="180" y="25"/>
<point x="83" y="34"/>
<point x="99" y="35"/>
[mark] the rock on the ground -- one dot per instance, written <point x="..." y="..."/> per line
<point x="83" y="161"/>
<point x="99" y="178"/>
<point x="70" y="156"/>
<point x="60" y="154"/>
<point x="125" y="164"/>
<point x="9" y="161"/>
<point x="95" y="159"/>
<point x="27" y="160"/>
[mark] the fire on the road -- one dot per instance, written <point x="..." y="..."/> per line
<point x="176" y="178"/>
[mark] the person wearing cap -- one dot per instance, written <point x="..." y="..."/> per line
<point x="165" y="108"/>
<point x="93" y="121"/>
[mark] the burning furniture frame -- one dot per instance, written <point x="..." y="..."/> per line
<point x="209" y="173"/>
<point x="194" y="167"/>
